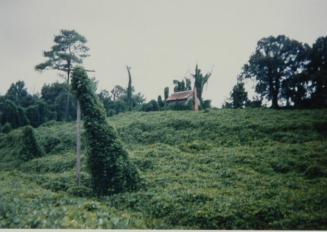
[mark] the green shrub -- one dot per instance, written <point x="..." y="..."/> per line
<point x="30" y="146"/>
<point x="314" y="171"/>
<point x="50" y="143"/>
<point x="6" y="128"/>
<point x="52" y="163"/>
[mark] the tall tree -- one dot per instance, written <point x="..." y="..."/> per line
<point x="318" y="72"/>
<point x="239" y="96"/>
<point x="129" y="89"/>
<point x="117" y="92"/>
<point x="160" y="102"/>
<point x="200" y="80"/>
<point x="69" y="50"/>
<point x="17" y="92"/>
<point x="166" y="93"/>
<point x="274" y="60"/>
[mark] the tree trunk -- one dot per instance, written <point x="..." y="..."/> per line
<point x="275" y="100"/>
<point x="67" y="98"/>
<point x="78" y="144"/>
<point x="195" y="100"/>
<point x="275" y="88"/>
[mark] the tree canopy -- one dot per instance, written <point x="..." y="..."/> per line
<point x="274" y="60"/>
<point x="238" y="97"/>
<point x="69" y="50"/>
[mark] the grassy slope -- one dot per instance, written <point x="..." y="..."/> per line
<point x="244" y="169"/>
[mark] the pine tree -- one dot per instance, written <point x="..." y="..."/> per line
<point x="69" y="50"/>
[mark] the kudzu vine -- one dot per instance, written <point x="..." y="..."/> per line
<point x="108" y="162"/>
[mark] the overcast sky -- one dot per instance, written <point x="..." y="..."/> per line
<point x="161" y="40"/>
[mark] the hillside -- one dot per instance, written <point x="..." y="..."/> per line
<point x="218" y="169"/>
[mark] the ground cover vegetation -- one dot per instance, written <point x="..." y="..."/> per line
<point x="216" y="169"/>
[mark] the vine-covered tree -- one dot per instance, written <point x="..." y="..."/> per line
<point x="108" y="161"/>
<point x="129" y="89"/>
<point x="275" y="59"/>
<point x="69" y="50"/>
<point x="160" y="102"/>
<point x="200" y="80"/>
<point x="166" y="93"/>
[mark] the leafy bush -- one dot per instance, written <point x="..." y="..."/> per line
<point x="314" y="171"/>
<point x="30" y="146"/>
<point x="150" y="106"/>
<point x="6" y="128"/>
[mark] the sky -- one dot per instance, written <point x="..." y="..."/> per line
<point x="161" y="40"/>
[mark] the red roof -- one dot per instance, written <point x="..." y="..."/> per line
<point x="179" y="96"/>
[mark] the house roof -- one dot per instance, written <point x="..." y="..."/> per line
<point x="178" y="96"/>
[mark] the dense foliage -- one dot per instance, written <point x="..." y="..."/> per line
<point x="56" y="95"/>
<point x="238" y="97"/>
<point x="19" y="108"/>
<point x="289" y="73"/>
<point x="220" y="169"/>
<point x="182" y="85"/>
<point x="30" y="146"/>
<point x="110" y="168"/>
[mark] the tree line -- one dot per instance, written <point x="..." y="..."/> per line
<point x="286" y="73"/>
<point x="18" y="107"/>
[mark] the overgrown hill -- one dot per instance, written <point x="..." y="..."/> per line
<point x="219" y="169"/>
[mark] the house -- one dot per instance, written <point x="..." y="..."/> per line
<point x="184" y="98"/>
